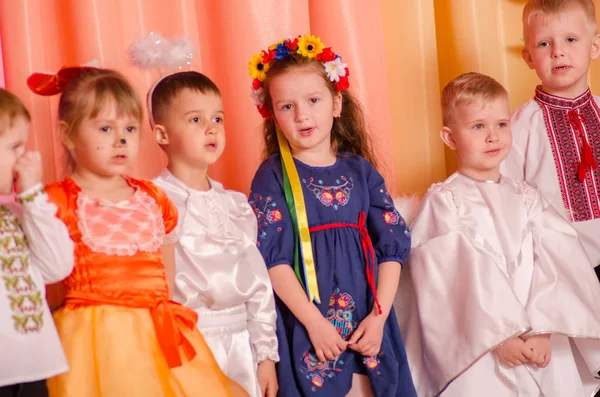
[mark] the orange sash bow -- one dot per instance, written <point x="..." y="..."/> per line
<point x="164" y="315"/>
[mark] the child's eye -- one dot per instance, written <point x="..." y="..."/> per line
<point x="314" y="100"/>
<point x="571" y="39"/>
<point x="503" y="125"/>
<point x="195" y="120"/>
<point x="105" y="129"/>
<point x="286" y="107"/>
<point x="218" y="120"/>
<point x="478" y="126"/>
<point x="543" y="44"/>
<point x="131" y="129"/>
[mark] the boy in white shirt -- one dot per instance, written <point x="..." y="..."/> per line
<point x="556" y="135"/>
<point x="220" y="273"/>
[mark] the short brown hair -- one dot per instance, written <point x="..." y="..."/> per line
<point x="170" y="86"/>
<point x="554" y="7"/>
<point x="468" y="88"/>
<point x="11" y="108"/>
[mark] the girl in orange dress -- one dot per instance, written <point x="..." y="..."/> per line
<point x="121" y="334"/>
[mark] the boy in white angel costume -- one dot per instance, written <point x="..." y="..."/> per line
<point x="500" y="284"/>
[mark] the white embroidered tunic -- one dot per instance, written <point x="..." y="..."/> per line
<point x="35" y="249"/>
<point x="549" y="135"/>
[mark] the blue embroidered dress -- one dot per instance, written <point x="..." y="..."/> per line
<point x="335" y="195"/>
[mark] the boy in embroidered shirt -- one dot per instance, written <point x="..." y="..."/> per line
<point x="35" y="248"/>
<point x="556" y="135"/>
<point x="219" y="271"/>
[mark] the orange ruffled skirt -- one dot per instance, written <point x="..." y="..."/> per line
<point x="113" y="351"/>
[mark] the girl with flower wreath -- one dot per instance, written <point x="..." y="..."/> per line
<point x="332" y="240"/>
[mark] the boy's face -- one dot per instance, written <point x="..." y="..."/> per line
<point x="12" y="147"/>
<point x="560" y="48"/>
<point x="193" y="130"/>
<point x="481" y="136"/>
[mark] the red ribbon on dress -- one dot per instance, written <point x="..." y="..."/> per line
<point x="48" y="84"/>
<point x="587" y="155"/>
<point x="164" y="315"/>
<point x="367" y="246"/>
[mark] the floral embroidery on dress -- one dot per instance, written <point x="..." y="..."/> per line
<point x="26" y="300"/>
<point x="266" y="212"/>
<point x="335" y="196"/>
<point x="120" y="227"/>
<point x="317" y="372"/>
<point x="372" y="363"/>
<point x="391" y="216"/>
<point x="340" y="314"/>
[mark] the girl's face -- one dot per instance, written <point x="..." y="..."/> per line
<point x="107" y="144"/>
<point x="304" y="109"/>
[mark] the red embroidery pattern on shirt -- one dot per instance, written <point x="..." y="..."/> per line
<point x="581" y="199"/>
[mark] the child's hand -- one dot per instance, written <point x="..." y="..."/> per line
<point x="369" y="335"/>
<point x="28" y="171"/>
<point x="267" y="378"/>
<point x="513" y="352"/>
<point x="326" y="341"/>
<point x="540" y="349"/>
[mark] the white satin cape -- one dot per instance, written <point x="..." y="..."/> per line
<point x="222" y="276"/>
<point x="491" y="261"/>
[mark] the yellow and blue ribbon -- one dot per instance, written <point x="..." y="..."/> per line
<point x="303" y="267"/>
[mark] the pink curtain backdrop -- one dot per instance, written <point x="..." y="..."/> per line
<point x="390" y="51"/>
<point x="2" y="83"/>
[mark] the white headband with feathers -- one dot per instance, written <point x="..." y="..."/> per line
<point x="166" y="56"/>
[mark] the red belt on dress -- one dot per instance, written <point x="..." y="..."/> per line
<point x="367" y="246"/>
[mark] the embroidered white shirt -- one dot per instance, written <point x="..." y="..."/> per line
<point x="35" y="249"/>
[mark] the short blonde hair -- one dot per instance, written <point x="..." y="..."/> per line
<point x="87" y="94"/>
<point x="466" y="89"/>
<point x="555" y="7"/>
<point x="11" y="108"/>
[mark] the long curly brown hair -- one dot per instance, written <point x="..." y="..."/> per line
<point x="348" y="134"/>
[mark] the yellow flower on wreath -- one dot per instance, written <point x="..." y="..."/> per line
<point x="310" y="46"/>
<point x="258" y="70"/>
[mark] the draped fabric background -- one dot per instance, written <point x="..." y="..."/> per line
<point x="400" y="52"/>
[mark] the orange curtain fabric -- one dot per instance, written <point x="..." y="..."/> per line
<point x="400" y="54"/>
<point x="375" y="38"/>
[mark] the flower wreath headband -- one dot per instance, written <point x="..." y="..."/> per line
<point x="337" y="72"/>
<point x="308" y="46"/>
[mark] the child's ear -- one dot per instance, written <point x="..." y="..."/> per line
<point x="448" y="137"/>
<point x="337" y="105"/>
<point x="595" y="47"/>
<point x="527" y="57"/>
<point x="160" y="134"/>
<point x="65" y="137"/>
